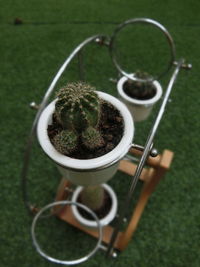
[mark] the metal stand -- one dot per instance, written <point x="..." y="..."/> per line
<point x="150" y="178"/>
<point x="112" y="237"/>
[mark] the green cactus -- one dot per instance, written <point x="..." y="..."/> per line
<point x="66" y="142"/>
<point x="140" y="90"/>
<point x="92" y="138"/>
<point x="77" y="109"/>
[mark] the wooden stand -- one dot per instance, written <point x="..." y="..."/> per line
<point x="150" y="177"/>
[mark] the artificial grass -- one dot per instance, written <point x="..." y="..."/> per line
<point x="31" y="53"/>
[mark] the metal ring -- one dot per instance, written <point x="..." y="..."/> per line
<point x="147" y="21"/>
<point x="49" y="258"/>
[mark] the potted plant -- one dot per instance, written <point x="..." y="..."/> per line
<point x="139" y="96"/>
<point x="86" y="133"/>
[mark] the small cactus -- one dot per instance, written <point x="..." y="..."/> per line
<point x="140" y="89"/>
<point x="92" y="138"/>
<point x="66" y="142"/>
<point x="77" y="109"/>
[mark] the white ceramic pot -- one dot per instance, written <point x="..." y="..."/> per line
<point x="140" y="109"/>
<point x="104" y="221"/>
<point x="88" y="171"/>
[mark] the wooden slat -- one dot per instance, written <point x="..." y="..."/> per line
<point x="67" y="215"/>
<point x="137" y="213"/>
<point x="129" y="168"/>
<point x="151" y="161"/>
<point x="155" y="175"/>
<point x="166" y="159"/>
<point x="61" y="193"/>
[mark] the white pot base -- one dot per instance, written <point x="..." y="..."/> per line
<point x="89" y="177"/>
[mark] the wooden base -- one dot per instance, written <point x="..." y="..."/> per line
<point x="150" y="177"/>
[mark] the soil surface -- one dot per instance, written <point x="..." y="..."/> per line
<point x="111" y="127"/>
<point x="138" y="93"/>
<point x="101" y="212"/>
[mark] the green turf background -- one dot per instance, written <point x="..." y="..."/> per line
<point x="30" y="54"/>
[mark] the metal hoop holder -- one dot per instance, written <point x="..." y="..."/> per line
<point x="142" y="21"/>
<point x="72" y="262"/>
<point x="146" y="150"/>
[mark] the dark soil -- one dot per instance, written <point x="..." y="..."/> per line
<point x="101" y="212"/>
<point x="139" y="93"/>
<point x="111" y="127"/>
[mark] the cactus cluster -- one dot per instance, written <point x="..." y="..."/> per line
<point x="77" y="109"/>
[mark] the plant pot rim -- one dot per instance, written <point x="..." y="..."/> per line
<point x="104" y="221"/>
<point x="146" y="102"/>
<point x="87" y="164"/>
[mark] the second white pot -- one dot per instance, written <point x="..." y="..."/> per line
<point x="140" y="109"/>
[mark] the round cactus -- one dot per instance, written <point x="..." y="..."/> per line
<point x="66" y="142"/>
<point x="77" y="107"/>
<point x="92" y="138"/>
<point x="78" y="110"/>
<point x="138" y="89"/>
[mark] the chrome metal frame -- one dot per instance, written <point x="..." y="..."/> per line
<point x="145" y="154"/>
<point x="141" y="21"/>
<point x="147" y="149"/>
<point x="72" y="262"/>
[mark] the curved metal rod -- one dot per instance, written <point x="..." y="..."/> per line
<point x="71" y="262"/>
<point x="145" y="154"/>
<point x="59" y="73"/>
<point x="41" y="107"/>
<point x="144" y="21"/>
